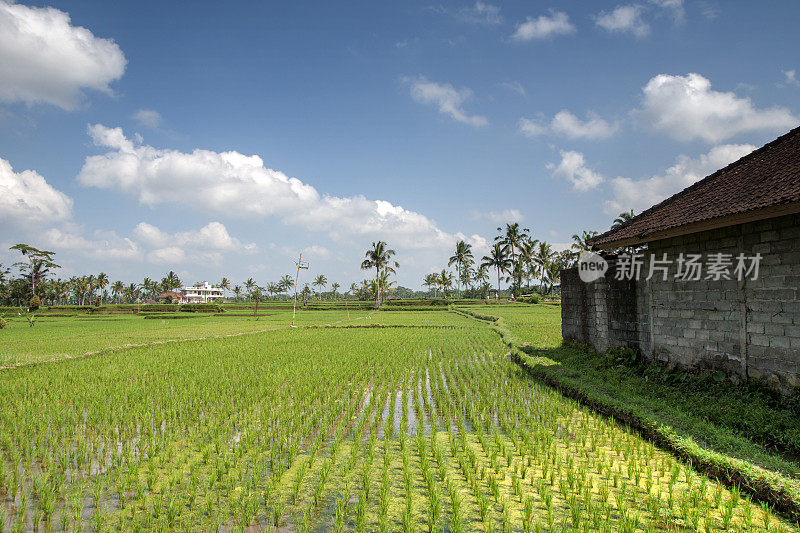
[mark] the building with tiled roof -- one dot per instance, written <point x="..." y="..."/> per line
<point x="707" y="279"/>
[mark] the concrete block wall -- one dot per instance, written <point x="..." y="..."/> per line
<point x="747" y="328"/>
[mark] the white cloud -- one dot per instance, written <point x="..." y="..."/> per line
<point x="624" y="19"/>
<point x="499" y="217"/>
<point x="316" y="251"/>
<point x="481" y="13"/>
<point x="103" y="245"/>
<point x="233" y="184"/>
<point x="686" y="108"/>
<point x="45" y="59"/>
<point x="149" y="243"/>
<point x="573" y="169"/>
<point x="213" y="236"/>
<point x="515" y="86"/>
<point x="544" y="27"/>
<point x="27" y="198"/>
<point x="642" y="194"/>
<point x="568" y="125"/>
<point x="790" y="77"/>
<point x="148" y="117"/>
<point x="531" y="127"/>
<point x="170" y="255"/>
<point x="447" y="98"/>
<point x="675" y="7"/>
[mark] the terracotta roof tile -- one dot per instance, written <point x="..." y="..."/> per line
<point x="766" y="177"/>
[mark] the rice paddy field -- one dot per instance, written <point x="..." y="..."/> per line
<point x="376" y="421"/>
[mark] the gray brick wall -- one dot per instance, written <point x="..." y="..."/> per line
<point x="748" y="328"/>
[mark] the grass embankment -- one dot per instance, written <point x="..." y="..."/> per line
<point x="742" y="435"/>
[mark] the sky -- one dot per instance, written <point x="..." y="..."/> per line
<point x="224" y="138"/>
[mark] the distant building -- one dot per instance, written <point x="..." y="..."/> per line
<point x="202" y="293"/>
<point x="172" y="297"/>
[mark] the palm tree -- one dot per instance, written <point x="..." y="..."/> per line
<point x="101" y="281"/>
<point x="581" y="242"/>
<point x="526" y="263"/>
<point x="382" y="285"/>
<point x="249" y="285"/>
<point x="543" y="258"/>
<point x="170" y="281"/>
<point x="513" y="236"/>
<point x="335" y="287"/>
<point x="379" y="258"/>
<point x="131" y="292"/>
<point x="286" y="283"/>
<point x="497" y="259"/>
<point x="225" y="284"/>
<point x="462" y="258"/>
<point x="116" y="289"/>
<point x="149" y="287"/>
<point x="320" y="281"/>
<point x="432" y="282"/>
<point x="272" y="288"/>
<point x="622" y="219"/>
<point x="354" y="290"/>
<point x="237" y="291"/>
<point x="445" y="281"/>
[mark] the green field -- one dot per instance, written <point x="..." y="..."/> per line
<point x="383" y="421"/>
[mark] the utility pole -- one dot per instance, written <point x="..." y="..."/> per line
<point x="300" y="264"/>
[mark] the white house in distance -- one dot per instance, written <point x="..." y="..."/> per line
<point x="202" y="293"/>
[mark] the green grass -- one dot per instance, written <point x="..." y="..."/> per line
<point x="54" y="338"/>
<point x="331" y="426"/>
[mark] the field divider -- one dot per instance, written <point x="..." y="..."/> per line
<point x="779" y="491"/>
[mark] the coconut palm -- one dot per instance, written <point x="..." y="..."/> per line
<point x="497" y="259"/>
<point x="622" y="219"/>
<point x="432" y="282"/>
<point x="286" y="283"/>
<point x="116" y="289"/>
<point x="581" y="242"/>
<point x="272" y="288"/>
<point x="382" y="284"/>
<point x="379" y="258"/>
<point x="171" y="281"/>
<point x="250" y="285"/>
<point x="320" y="281"/>
<point x="335" y="288"/>
<point x="225" y="284"/>
<point x="445" y="281"/>
<point x="237" y="291"/>
<point x="543" y="258"/>
<point x="513" y="236"/>
<point x="462" y="258"/>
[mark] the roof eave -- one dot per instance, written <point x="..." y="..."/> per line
<point x="755" y="215"/>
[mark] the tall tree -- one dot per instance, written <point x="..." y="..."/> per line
<point x="335" y="288"/>
<point x="286" y="283"/>
<point x="117" y="289"/>
<point x="445" y="281"/>
<point x="432" y="282"/>
<point x="498" y="260"/>
<point x="543" y="258"/>
<point x="462" y="258"/>
<point x="225" y="284"/>
<point x="320" y="281"/>
<point x="171" y="281"/>
<point x="39" y="264"/>
<point x="513" y="236"/>
<point x="379" y="258"/>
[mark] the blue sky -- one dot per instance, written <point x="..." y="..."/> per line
<point x="417" y="123"/>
